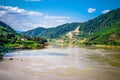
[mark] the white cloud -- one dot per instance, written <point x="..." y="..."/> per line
<point x="12" y="9"/>
<point x="105" y="11"/>
<point x="91" y="10"/>
<point x="21" y="19"/>
<point x="33" y="0"/>
<point x="17" y="10"/>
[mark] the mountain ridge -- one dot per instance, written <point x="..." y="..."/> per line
<point x="53" y="32"/>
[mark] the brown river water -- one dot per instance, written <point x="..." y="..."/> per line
<point x="59" y="62"/>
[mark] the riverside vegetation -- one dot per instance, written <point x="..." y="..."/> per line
<point x="10" y="40"/>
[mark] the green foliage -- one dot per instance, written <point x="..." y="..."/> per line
<point x="10" y="40"/>
<point x="34" y="32"/>
<point x="92" y="26"/>
<point x="109" y="35"/>
<point x="54" y="32"/>
<point x="104" y="29"/>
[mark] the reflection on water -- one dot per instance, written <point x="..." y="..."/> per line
<point x="67" y="62"/>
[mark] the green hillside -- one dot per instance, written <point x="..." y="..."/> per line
<point x="10" y="40"/>
<point x="104" y="29"/>
<point x="92" y="26"/>
<point x="34" y="32"/>
<point x="109" y="35"/>
<point x="54" y="32"/>
<point x="7" y="34"/>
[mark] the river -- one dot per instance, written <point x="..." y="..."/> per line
<point x="61" y="62"/>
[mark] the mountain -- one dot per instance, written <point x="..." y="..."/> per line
<point x="35" y="32"/>
<point x="4" y="28"/>
<point x="6" y="33"/>
<point x="54" y="32"/>
<point x="92" y="26"/>
<point x="108" y="35"/>
<point x="104" y="29"/>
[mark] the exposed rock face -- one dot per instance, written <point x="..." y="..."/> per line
<point x="74" y="32"/>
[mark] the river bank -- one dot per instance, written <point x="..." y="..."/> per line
<point x="82" y="44"/>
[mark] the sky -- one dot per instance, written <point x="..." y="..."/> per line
<point x="23" y="15"/>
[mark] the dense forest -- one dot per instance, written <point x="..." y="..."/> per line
<point x="101" y="22"/>
<point x="104" y="29"/>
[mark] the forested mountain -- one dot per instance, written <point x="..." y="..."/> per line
<point x="109" y="35"/>
<point x="6" y="33"/>
<point x="54" y="32"/>
<point x="102" y="29"/>
<point x="101" y="22"/>
<point x="4" y="28"/>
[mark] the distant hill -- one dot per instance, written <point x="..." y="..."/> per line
<point x="34" y="32"/>
<point x="54" y="32"/>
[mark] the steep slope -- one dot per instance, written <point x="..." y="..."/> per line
<point x="59" y="30"/>
<point x="4" y="28"/>
<point x="109" y="35"/>
<point x="54" y="32"/>
<point x="104" y="29"/>
<point x="92" y="26"/>
<point x="6" y="33"/>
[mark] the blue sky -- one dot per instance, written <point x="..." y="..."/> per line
<point x="23" y="15"/>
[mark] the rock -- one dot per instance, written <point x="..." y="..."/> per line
<point x="11" y="59"/>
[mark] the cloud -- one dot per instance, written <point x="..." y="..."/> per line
<point x="21" y="19"/>
<point x="33" y="0"/>
<point x="105" y="11"/>
<point x="12" y="9"/>
<point x="16" y="10"/>
<point x="91" y="10"/>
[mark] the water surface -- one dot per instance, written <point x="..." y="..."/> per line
<point x="61" y="62"/>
